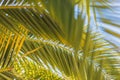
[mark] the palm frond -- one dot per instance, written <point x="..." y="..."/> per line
<point x="108" y="23"/>
<point x="62" y="57"/>
<point x="58" y="35"/>
<point x="27" y="69"/>
<point x="10" y="46"/>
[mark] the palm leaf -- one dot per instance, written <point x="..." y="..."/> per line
<point x="59" y="37"/>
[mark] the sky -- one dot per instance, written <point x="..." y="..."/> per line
<point x="114" y="16"/>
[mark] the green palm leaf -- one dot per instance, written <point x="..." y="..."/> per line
<point x="61" y="36"/>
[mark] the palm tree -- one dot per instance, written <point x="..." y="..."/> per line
<point x="58" y="40"/>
